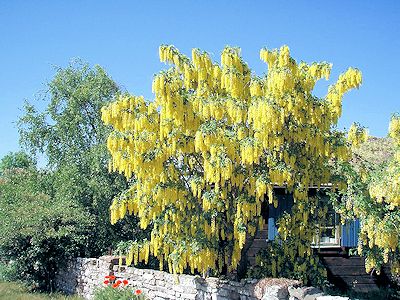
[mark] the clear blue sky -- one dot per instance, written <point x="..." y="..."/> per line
<point x="123" y="37"/>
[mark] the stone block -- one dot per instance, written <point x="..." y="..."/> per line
<point x="159" y="275"/>
<point x="164" y="295"/>
<point x="332" y="298"/>
<point x="313" y="296"/>
<point x="187" y="296"/>
<point x="187" y="280"/>
<point x="138" y="271"/>
<point x="150" y="285"/>
<point x="147" y="276"/>
<point x="236" y="283"/>
<point x="224" y="292"/>
<point x="206" y="296"/>
<point x="179" y="288"/>
<point x="219" y="297"/>
<point x="275" y="292"/>
<point x="244" y="291"/>
<point x="160" y="282"/>
<point x="302" y="292"/>
<point x="171" y="279"/>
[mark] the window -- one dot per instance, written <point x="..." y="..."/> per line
<point x="328" y="234"/>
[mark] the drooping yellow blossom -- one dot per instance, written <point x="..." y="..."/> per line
<point x="357" y="135"/>
<point x="208" y="150"/>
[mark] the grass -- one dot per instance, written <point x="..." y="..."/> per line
<point x="15" y="291"/>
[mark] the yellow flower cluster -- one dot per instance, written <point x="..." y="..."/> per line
<point x="352" y="78"/>
<point x="394" y="129"/>
<point x="357" y="135"/>
<point x="209" y="149"/>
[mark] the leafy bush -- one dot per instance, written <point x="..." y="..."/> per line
<point x="8" y="271"/>
<point x="37" y="233"/>
<point x="311" y="271"/>
<point x="17" y="160"/>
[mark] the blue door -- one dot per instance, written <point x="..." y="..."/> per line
<point x="350" y="232"/>
<point x="285" y="203"/>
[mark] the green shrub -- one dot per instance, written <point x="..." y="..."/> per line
<point x="38" y="234"/>
<point x="312" y="273"/>
<point x="8" y="271"/>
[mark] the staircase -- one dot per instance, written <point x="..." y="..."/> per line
<point x="259" y="242"/>
<point x="348" y="273"/>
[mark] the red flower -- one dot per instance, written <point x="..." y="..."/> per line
<point x="138" y="292"/>
<point x="106" y="282"/>
<point x="125" y="282"/>
<point x="112" y="277"/>
<point x="118" y="282"/>
<point x="115" y="285"/>
<point x="107" y="277"/>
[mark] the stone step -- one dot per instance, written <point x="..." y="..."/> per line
<point x="259" y="243"/>
<point x="262" y="234"/>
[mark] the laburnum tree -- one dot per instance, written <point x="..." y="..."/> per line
<point x="203" y="156"/>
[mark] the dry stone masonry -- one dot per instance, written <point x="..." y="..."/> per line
<point x="83" y="275"/>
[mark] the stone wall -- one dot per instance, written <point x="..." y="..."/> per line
<point x="84" y="275"/>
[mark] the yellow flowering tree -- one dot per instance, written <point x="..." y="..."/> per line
<point x="204" y="155"/>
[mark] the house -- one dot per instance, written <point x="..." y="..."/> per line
<point x="332" y="244"/>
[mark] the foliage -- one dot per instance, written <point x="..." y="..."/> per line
<point x="383" y="233"/>
<point x="71" y="136"/>
<point x="203" y="155"/>
<point x="18" y="160"/>
<point x="37" y="233"/>
<point x="308" y="268"/>
<point x="70" y="129"/>
<point x="370" y="195"/>
<point x="357" y="135"/>
<point x="15" y="291"/>
<point x="8" y="271"/>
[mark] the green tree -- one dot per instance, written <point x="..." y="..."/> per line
<point x="71" y="135"/>
<point x="17" y="160"/>
<point x="37" y="233"/>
